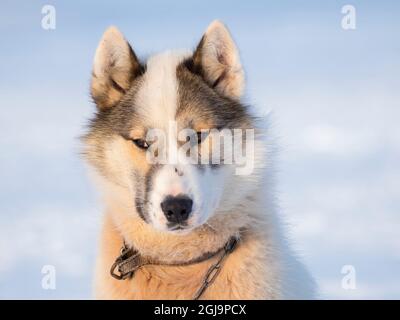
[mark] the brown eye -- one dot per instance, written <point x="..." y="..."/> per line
<point x="201" y="136"/>
<point x="140" y="143"/>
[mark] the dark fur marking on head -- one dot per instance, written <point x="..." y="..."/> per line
<point x="197" y="97"/>
<point x="144" y="190"/>
<point x="144" y="186"/>
<point x="111" y="122"/>
<point x="200" y="102"/>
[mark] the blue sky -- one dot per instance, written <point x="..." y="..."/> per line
<point x="335" y="98"/>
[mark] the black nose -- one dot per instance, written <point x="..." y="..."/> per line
<point x="177" y="209"/>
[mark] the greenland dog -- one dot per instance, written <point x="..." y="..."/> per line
<point x="182" y="215"/>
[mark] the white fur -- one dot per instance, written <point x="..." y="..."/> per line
<point x="156" y="99"/>
<point x="190" y="182"/>
<point x="158" y="91"/>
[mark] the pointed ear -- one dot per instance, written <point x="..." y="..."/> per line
<point x="115" y="67"/>
<point x="217" y="59"/>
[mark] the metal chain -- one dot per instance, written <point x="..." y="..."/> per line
<point x="127" y="253"/>
<point x="215" y="269"/>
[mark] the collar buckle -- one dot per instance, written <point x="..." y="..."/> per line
<point x="120" y="269"/>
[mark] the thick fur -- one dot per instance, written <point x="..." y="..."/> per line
<point x="200" y="90"/>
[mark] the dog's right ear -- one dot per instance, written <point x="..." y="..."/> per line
<point x="115" y="67"/>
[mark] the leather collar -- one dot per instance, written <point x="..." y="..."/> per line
<point x="131" y="260"/>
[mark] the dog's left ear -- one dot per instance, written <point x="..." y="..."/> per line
<point x="217" y="59"/>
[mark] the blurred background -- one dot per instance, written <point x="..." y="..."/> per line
<point x="335" y="98"/>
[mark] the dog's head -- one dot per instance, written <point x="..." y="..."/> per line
<point x="152" y="115"/>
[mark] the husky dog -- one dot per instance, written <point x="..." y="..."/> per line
<point x="187" y="230"/>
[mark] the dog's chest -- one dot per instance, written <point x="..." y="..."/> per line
<point x="167" y="282"/>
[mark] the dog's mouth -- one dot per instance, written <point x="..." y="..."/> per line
<point x="179" y="229"/>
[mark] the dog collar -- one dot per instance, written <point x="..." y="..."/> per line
<point x="130" y="260"/>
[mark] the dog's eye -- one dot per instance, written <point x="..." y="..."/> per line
<point x="140" y="143"/>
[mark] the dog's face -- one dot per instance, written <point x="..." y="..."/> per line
<point x="175" y="105"/>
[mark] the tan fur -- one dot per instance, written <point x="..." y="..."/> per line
<point x="250" y="272"/>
